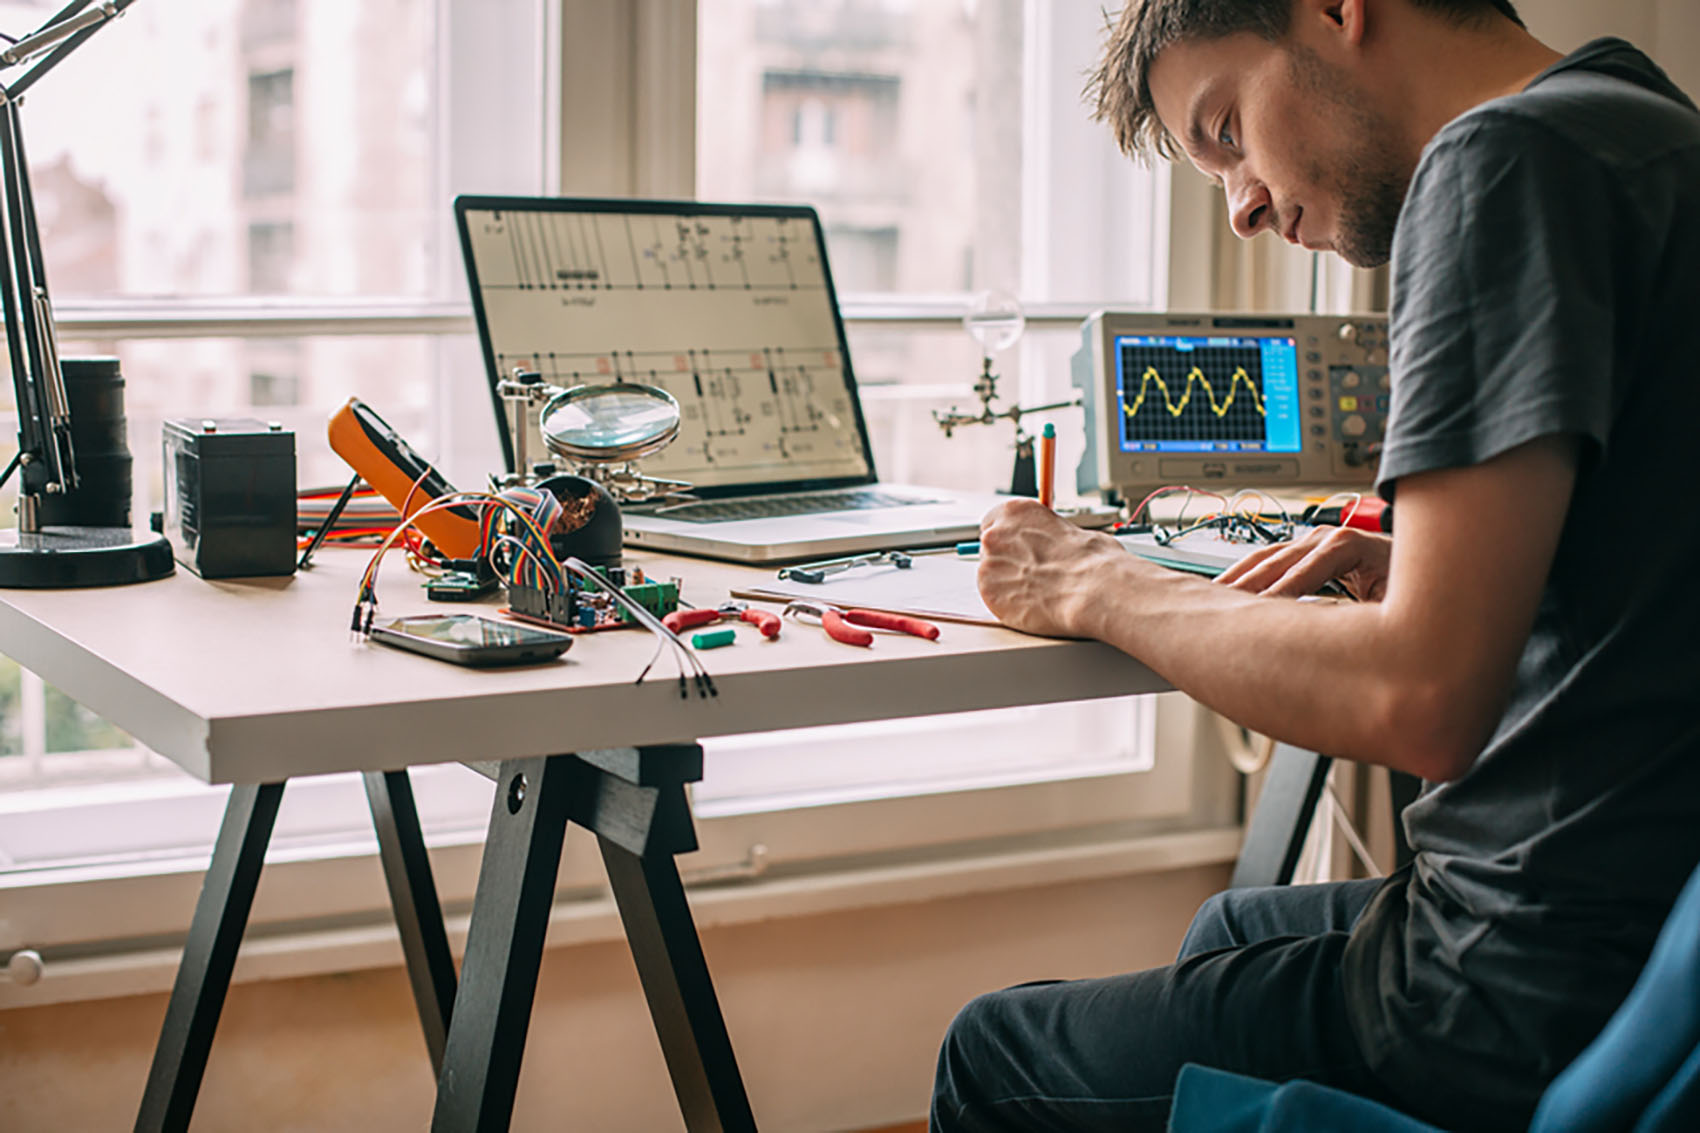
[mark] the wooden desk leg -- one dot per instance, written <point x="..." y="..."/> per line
<point x="504" y="945"/>
<point x="681" y="998"/>
<point x="1276" y="836"/>
<point x="203" y="975"/>
<point x="634" y="800"/>
<point x="413" y="896"/>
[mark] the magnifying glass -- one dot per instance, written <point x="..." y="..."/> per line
<point x="609" y="423"/>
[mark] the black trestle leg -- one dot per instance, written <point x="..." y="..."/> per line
<point x="676" y="984"/>
<point x="209" y="956"/>
<point x="504" y="946"/>
<point x="413" y="895"/>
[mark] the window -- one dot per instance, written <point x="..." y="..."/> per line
<point x="271" y="256"/>
<point x="945" y="149"/>
<point x="268" y="166"/>
<point x="925" y="134"/>
<point x="230" y="170"/>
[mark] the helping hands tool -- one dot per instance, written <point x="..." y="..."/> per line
<point x="841" y="625"/>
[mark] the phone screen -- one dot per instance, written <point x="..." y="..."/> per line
<point x="471" y="630"/>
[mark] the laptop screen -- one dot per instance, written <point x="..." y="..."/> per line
<point x="729" y="308"/>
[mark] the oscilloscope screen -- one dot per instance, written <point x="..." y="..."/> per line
<point x="1181" y="393"/>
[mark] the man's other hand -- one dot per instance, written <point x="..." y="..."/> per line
<point x="1356" y="559"/>
<point x="1039" y="573"/>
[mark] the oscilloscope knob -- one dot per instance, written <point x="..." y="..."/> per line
<point x="1348" y="332"/>
<point x="1354" y="425"/>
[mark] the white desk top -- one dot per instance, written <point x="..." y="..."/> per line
<point x="257" y="680"/>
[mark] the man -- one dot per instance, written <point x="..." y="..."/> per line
<point x="1529" y="640"/>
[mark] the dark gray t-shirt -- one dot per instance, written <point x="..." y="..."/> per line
<point x="1547" y="282"/>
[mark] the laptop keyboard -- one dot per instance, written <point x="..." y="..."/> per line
<point x="796" y="503"/>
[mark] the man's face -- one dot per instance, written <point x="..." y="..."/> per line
<point x="1298" y="146"/>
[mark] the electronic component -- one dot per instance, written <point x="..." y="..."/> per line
<point x="1289" y="401"/>
<point x="230" y="496"/>
<point x="462" y="581"/>
<point x="466" y="639"/>
<point x="407" y="480"/>
<point x="587" y="606"/>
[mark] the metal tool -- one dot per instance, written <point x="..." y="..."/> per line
<point x="818" y="572"/>
<point x="765" y="621"/>
<point x="841" y="625"/>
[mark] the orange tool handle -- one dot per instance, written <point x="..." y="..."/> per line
<point x="881" y="620"/>
<point x="840" y="630"/>
<point x="680" y="620"/>
<point x="764" y="620"/>
<point x="385" y="461"/>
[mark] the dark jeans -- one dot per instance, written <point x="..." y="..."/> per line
<point x="1256" y="990"/>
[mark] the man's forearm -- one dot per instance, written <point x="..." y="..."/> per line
<point x="1341" y="678"/>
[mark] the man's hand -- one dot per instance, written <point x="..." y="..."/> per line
<point x="1356" y="559"/>
<point x="1042" y="574"/>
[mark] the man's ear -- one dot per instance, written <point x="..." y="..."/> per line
<point x="1343" y="17"/>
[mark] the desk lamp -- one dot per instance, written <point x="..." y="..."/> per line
<point x="38" y="556"/>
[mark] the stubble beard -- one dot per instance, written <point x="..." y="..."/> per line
<point x="1373" y="177"/>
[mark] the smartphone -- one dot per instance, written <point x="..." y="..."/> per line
<point x="467" y="639"/>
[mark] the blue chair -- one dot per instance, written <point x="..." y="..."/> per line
<point x="1641" y="1074"/>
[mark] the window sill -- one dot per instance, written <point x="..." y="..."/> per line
<point x="282" y="952"/>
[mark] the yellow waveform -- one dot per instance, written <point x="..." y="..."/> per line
<point x="1175" y="409"/>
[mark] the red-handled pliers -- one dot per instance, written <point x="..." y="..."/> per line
<point x="841" y="625"/>
<point x="765" y="621"/>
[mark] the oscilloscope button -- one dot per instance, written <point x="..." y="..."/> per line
<point x="1348" y="404"/>
<point x="1319" y="430"/>
<point x="1318" y="411"/>
<point x="1354" y="425"/>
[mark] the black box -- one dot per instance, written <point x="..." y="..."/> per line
<point x="230" y="496"/>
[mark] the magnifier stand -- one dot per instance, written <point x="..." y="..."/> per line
<point x="1024" y="479"/>
<point x="589" y="451"/>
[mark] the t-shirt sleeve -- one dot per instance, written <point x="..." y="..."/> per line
<point x="1503" y="313"/>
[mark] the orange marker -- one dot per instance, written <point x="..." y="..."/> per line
<point x="1048" y="465"/>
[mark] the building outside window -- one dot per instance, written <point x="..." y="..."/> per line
<point x="261" y="189"/>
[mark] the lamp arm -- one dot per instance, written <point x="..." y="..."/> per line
<point x="45" y="451"/>
<point x="68" y="28"/>
<point x="35" y="430"/>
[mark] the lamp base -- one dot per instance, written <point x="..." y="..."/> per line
<point x="61" y="557"/>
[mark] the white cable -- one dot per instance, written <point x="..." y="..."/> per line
<point x="1343" y="823"/>
<point x="1247" y="751"/>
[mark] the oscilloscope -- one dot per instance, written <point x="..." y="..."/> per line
<point x="1250" y="401"/>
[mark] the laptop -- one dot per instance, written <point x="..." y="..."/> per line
<point x="731" y="309"/>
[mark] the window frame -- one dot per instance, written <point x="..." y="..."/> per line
<point x="634" y="135"/>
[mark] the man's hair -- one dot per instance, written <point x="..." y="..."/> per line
<point x="1120" y="87"/>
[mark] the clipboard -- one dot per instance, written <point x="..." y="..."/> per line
<point x="945" y="587"/>
<point x="936" y="587"/>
